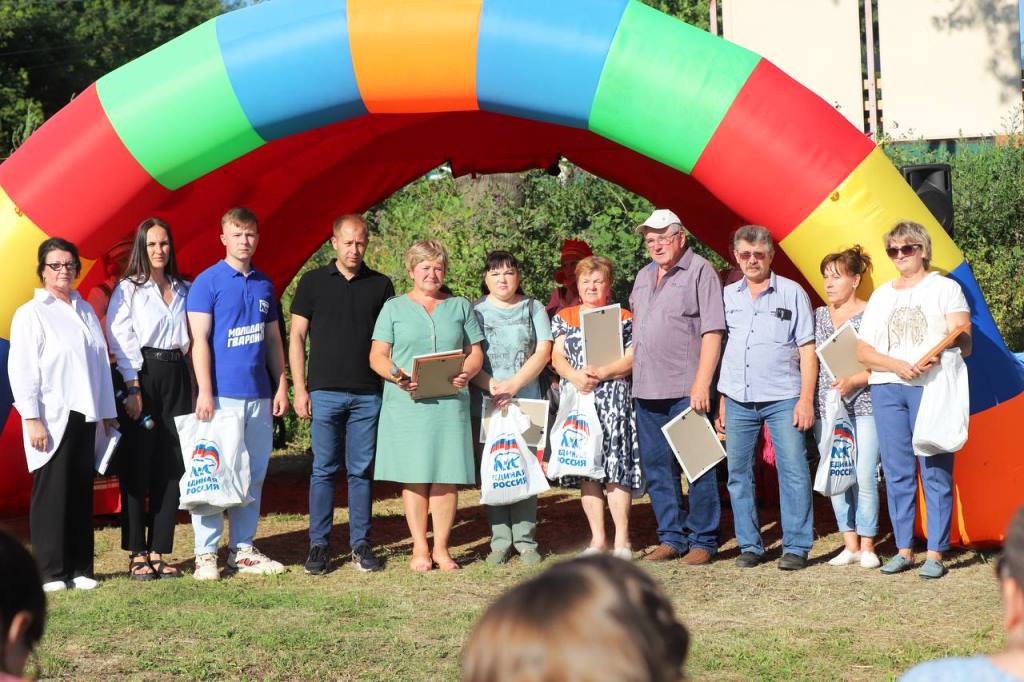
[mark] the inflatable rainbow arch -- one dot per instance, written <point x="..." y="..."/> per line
<point x="304" y="109"/>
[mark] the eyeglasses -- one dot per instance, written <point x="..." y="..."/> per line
<point x="70" y="266"/>
<point x="747" y="255"/>
<point x="660" y="241"/>
<point x="905" y="250"/>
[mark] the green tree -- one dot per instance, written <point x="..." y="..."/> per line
<point x="51" y="51"/>
<point x="696" y="12"/>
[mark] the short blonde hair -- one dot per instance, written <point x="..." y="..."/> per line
<point x="239" y="215"/>
<point x="596" y="264"/>
<point x="424" y="250"/>
<point x="911" y="233"/>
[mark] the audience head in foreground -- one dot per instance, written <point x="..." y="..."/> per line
<point x="592" y="618"/>
<point x="1008" y="664"/>
<point x="22" y="607"/>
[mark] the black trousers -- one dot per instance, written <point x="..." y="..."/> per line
<point x="60" y="516"/>
<point x="149" y="462"/>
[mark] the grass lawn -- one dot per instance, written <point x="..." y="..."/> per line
<point x="824" y="622"/>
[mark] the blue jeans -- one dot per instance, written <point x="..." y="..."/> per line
<point x="895" y="407"/>
<point x="344" y="426"/>
<point x="242" y="521"/>
<point x="742" y="425"/>
<point x="857" y="507"/>
<point x="677" y="528"/>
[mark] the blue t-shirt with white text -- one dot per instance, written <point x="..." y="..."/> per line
<point x="241" y="306"/>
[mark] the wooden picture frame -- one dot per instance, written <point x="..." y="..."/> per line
<point x="433" y="373"/>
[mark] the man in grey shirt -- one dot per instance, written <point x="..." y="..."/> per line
<point x="678" y="322"/>
<point x="768" y="374"/>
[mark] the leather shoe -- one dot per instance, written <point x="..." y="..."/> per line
<point x="662" y="553"/>
<point x="792" y="562"/>
<point x="696" y="557"/>
<point x="749" y="560"/>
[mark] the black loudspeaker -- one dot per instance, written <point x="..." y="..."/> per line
<point x="933" y="182"/>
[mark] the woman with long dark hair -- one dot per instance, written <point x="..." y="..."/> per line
<point x="148" y="333"/>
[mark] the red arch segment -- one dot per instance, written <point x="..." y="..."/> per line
<point x="766" y="178"/>
<point x="98" y="182"/>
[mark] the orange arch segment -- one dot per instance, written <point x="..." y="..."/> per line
<point x="415" y="57"/>
<point x="985" y="472"/>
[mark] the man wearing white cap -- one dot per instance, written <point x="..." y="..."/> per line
<point x="678" y="324"/>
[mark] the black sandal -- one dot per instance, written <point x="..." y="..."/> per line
<point x="137" y="562"/>
<point x="161" y="566"/>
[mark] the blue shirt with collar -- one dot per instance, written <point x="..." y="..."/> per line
<point x="241" y="306"/>
<point x="761" y="361"/>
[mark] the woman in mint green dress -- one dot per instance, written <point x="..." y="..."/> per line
<point x="425" y="444"/>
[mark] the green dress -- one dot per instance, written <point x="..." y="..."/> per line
<point x="424" y="441"/>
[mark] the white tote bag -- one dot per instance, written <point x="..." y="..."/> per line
<point x="509" y="472"/>
<point x="837" y="448"/>
<point x="944" y="414"/>
<point x="577" y="440"/>
<point x="216" y="462"/>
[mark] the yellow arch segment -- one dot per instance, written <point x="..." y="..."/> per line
<point x="19" y="243"/>
<point x="865" y="206"/>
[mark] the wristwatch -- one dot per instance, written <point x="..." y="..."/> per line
<point x="133" y="390"/>
<point x="396" y="373"/>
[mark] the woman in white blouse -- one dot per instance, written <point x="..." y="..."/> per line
<point x="903" y="320"/>
<point x="60" y="379"/>
<point x="148" y="333"/>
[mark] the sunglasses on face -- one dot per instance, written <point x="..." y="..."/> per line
<point x="56" y="267"/>
<point x="905" y="250"/>
<point x="747" y="255"/>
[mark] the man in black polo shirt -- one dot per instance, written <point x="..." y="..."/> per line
<point x="336" y="306"/>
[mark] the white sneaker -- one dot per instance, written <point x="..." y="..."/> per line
<point x="869" y="560"/>
<point x="83" y="583"/>
<point x="206" y="567"/>
<point x="591" y="551"/>
<point x="251" y="560"/>
<point x="624" y="553"/>
<point x="55" y="586"/>
<point x="845" y="558"/>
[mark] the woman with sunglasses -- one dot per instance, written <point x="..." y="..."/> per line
<point x="1007" y="665"/>
<point x="148" y="333"/>
<point x="903" y="320"/>
<point x="60" y="378"/>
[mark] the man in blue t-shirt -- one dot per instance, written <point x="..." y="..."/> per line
<point x="232" y="314"/>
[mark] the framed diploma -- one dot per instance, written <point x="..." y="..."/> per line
<point x="536" y="410"/>
<point x="602" y="335"/>
<point x="694" y="442"/>
<point x="838" y="353"/>
<point x="433" y="373"/>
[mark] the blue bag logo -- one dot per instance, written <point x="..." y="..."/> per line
<point x="506" y="456"/>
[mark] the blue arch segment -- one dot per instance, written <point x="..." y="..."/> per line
<point x="542" y="59"/>
<point x="290" y="65"/>
<point x="1003" y="373"/>
<point x="6" y="399"/>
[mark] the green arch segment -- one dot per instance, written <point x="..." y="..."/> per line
<point x="175" y="110"/>
<point x="654" y="112"/>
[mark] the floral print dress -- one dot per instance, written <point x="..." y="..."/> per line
<point x="614" y="402"/>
